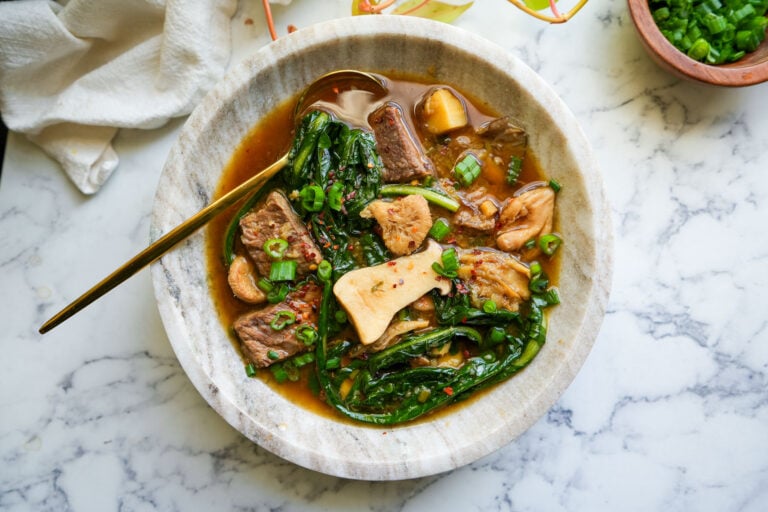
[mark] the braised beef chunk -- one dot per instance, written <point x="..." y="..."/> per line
<point x="275" y="218"/>
<point x="402" y="157"/>
<point x="264" y="345"/>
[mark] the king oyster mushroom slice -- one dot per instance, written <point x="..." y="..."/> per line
<point x="391" y="336"/>
<point x="372" y="296"/>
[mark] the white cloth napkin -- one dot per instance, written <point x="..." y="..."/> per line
<point x="71" y="74"/>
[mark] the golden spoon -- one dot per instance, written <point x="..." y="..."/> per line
<point x="312" y="93"/>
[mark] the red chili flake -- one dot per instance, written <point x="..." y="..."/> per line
<point x="335" y="247"/>
<point x="466" y="354"/>
<point x="350" y="247"/>
<point x="248" y="21"/>
<point x="391" y="263"/>
<point x="448" y="390"/>
<point x="292" y="29"/>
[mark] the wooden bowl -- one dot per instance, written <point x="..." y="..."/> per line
<point x="750" y="70"/>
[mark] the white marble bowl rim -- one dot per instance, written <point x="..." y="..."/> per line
<point x="276" y="73"/>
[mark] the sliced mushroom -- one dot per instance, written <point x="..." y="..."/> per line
<point x="494" y="275"/>
<point x="404" y="222"/>
<point x="391" y="335"/>
<point x="372" y="296"/>
<point x="243" y="283"/>
<point x="526" y="217"/>
<point x="424" y="304"/>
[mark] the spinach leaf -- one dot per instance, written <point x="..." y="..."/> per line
<point x="327" y="152"/>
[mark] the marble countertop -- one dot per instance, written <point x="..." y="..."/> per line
<point x="670" y="411"/>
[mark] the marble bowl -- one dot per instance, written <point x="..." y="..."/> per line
<point x="752" y="69"/>
<point x="202" y="344"/>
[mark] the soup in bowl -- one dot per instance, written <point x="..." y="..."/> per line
<point x="423" y="278"/>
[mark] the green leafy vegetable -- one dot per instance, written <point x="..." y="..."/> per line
<point x="329" y="156"/>
<point x="430" y="194"/>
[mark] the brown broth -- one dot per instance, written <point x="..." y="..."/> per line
<point x="268" y="140"/>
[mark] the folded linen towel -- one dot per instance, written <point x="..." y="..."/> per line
<point x="70" y="75"/>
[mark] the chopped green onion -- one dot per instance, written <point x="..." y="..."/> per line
<point x="282" y="320"/>
<point x="275" y="248"/>
<point x="489" y="306"/>
<point x="303" y="359"/>
<point x="714" y="23"/>
<point x="555" y="185"/>
<point x="312" y="198"/>
<point x="699" y="50"/>
<point x="549" y="243"/>
<point x="450" y="260"/>
<point x="340" y="316"/>
<point x="306" y="334"/>
<point x="467" y="170"/>
<point x="431" y="195"/>
<point x="552" y="297"/>
<point x="324" y="271"/>
<point x="538" y="284"/>
<point x="440" y="229"/>
<point x="712" y="31"/>
<point x="250" y="370"/>
<point x="333" y="363"/>
<point x="530" y="244"/>
<point x="282" y="270"/>
<point x="278" y="293"/>
<point x="450" y="264"/>
<point x="279" y="373"/>
<point x="496" y="335"/>
<point x="273" y="355"/>
<point x="265" y="285"/>
<point x="535" y="268"/>
<point x="335" y="194"/>
<point x="514" y="169"/>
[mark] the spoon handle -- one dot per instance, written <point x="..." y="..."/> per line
<point x="164" y="244"/>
